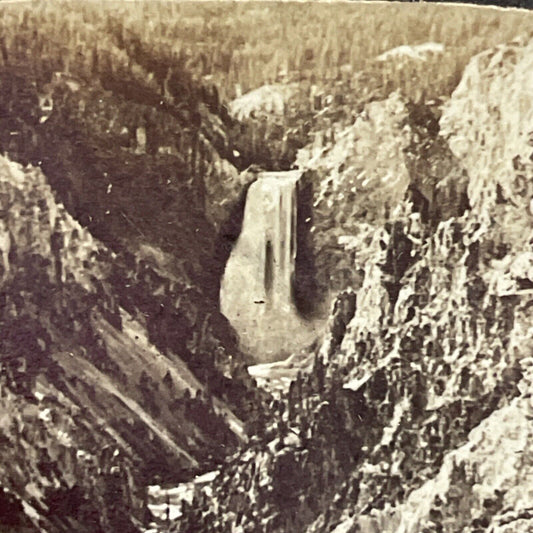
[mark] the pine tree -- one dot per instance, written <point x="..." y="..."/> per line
<point x="319" y="373"/>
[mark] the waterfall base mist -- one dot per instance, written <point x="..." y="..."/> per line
<point x="257" y="289"/>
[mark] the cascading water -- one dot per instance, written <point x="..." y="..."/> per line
<point x="257" y="287"/>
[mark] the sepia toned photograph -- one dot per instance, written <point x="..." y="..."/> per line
<point x="266" y="267"/>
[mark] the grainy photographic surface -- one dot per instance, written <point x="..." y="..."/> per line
<point x="266" y="267"/>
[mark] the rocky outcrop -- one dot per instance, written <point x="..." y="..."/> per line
<point x="362" y="187"/>
<point x="489" y="104"/>
<point x="362" y="172"/>
<point x="267" y="100"/>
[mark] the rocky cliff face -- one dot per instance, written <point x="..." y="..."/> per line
<point x="423" y="383"/>
<point x="492" y="102"/>
<point x="459" y="324"/>
<point x="361" y="172"/>
<point x="96" y="399"/>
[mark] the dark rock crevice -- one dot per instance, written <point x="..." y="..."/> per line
<point x="307" y="295"/>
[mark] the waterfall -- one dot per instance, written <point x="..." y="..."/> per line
<point x="257" y="286"/>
